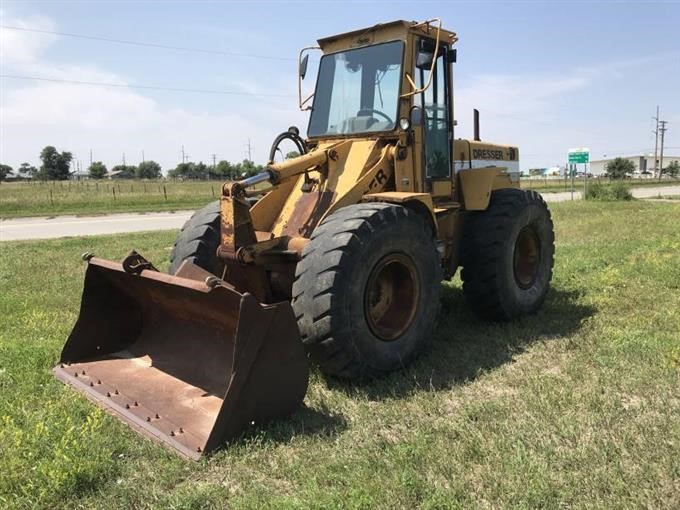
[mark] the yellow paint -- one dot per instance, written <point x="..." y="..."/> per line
<point x="442" y="189"/>
<point x="476" y="185"/>
<point x="385" y="166"/>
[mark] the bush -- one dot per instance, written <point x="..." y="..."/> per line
<point x="608" y="192"/>
<point x="620" y="168"/>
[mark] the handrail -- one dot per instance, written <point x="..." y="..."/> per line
<point x="434" y="59"/>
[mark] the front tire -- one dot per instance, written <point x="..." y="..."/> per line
<point x="198" y="241"/>
<point x="508" y="253"/>
<point x="366" y="291"/>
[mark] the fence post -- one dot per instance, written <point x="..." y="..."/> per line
<point x="114" y="193"/>
<point x="165" y="193"/>
<point x="51" y="199"/>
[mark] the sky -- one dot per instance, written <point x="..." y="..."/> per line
<point x="545" y="75"/>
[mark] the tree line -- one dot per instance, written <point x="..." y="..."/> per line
<point x="56" y="166"/>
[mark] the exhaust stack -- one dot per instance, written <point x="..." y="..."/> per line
<point x="476" y="123"/>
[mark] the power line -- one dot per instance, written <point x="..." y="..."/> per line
<point x="143" y="87"/>
<point x="146" y="44"/>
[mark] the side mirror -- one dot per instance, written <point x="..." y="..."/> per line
<point x="303" y="66"/>
<point x="453" y="55"/>
<point x="425" y="54"/>
<point x="424" y="60"/>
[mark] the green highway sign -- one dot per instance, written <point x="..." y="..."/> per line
<point x="579" y="155"/>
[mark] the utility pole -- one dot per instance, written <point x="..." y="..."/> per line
<point x="656" y="140"/>
<point x="123" y="159"/>
<point x="214" y="156"/>
<point x="90" y="157"/>
<point x="184" y="155"/>
<point x="143" y="156"/>
<point x="250" y="150"/>
<point x="662" y="129"/>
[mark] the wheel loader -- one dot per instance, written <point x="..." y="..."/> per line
<point x="339" y="262"/>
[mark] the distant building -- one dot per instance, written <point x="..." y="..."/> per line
<point x="644" y="164"/>
<point x="79" y="175"/>
<point x="16" y="176"/>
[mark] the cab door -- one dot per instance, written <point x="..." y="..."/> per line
<point x="437" y="124"/>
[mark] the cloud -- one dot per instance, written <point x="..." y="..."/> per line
<point x="115" y="121"/>
<point x="518" y="95"/>
<point x="112" y="121"/>
<point x="24" y="48"/>
<point x="545" y="113"/>
<point x="523" y="109"/>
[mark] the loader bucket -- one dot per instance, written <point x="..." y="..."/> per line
<point x="185" y="363"/>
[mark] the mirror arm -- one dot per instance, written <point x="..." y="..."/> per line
<point x="300" y="55"/>
<point x="303" y="103"/>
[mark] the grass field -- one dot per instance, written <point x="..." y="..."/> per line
<point x="545" y="185"/>
<point x="577" y="406"/>
<point x="100" y="197"/>
<point x="96" y="197"/>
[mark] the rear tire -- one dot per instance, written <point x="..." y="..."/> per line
<point x="198" y="241"/>
<point x="508" y="253"/>
<point x="366" y="291"/>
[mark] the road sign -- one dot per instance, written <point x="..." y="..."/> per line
<point x="580" y="155"/>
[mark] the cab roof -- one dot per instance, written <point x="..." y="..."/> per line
<point x="382" y="31"/>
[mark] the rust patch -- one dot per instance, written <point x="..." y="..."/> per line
<point x="188" y="365"/>
<point x="309" y="209"/>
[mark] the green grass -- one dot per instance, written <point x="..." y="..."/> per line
<point x="97" y="197"/>
<point x="665" y="197"/>
<point x="111" y="196"/>
<point x="618" y="190"/>
<point x="558" y="185"/>
<point x="577" y="406"/>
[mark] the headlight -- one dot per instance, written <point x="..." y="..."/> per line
<point x="404" y="124"/>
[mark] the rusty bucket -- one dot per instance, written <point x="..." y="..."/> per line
<point x="185" y="360"/>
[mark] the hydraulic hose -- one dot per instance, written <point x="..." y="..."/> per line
<point x="293" y="134"/>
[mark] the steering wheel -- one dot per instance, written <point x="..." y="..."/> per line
<point x="371" y="110"/>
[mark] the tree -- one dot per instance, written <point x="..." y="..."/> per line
<point x="247" y="168"/>
<point x="55" y="165"/>
<point x="292" y="154"/>
<point x="619" y="168"/>
<point x="181" y="171"/>
<point x="673" y="169"/>
<point x="28" y="169"/>
<point x="97" y="170"/>
<point x="536" y="171"/>
<point x="190" y="171"/>
<point x="5" y="170"/>
<point x="224" y="170"/>
<point x="124" y="171"/>
<point x="149" y="170"/>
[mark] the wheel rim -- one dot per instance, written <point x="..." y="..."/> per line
<point x="526" y="257"/>
<point x="391" y="297"/>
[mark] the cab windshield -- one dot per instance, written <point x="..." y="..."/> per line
<point x="357" y="91"/>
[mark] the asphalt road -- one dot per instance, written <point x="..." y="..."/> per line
<point x="15" y="229"/>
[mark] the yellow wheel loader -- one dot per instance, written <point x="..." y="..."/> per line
<point x="339" y="261"/>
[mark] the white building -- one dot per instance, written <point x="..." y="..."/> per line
<point x="644" y="164"/>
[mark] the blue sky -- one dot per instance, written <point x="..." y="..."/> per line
<point x="545" y="75"/>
